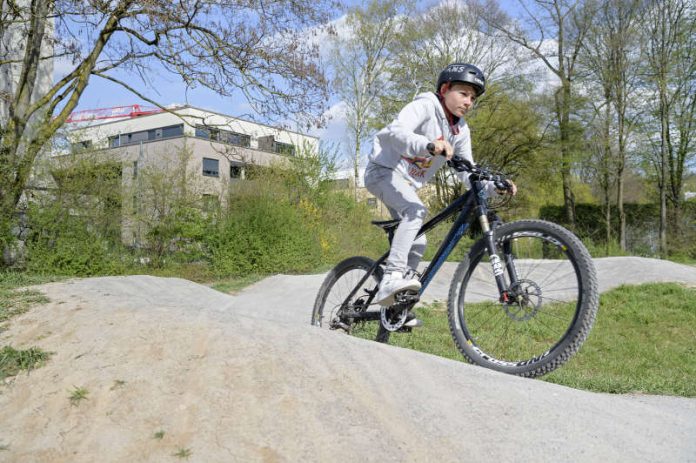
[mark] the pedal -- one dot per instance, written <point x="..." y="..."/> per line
<point x="406" y="297"/>
<point x="413" y="323"/>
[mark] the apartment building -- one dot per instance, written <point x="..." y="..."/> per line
<point x="221" y="145"/>
<point x="217" y="149"/>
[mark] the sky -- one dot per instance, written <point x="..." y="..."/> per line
<point x="169" y="89"/>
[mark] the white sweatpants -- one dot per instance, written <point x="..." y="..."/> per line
<point x="403" y="203"/>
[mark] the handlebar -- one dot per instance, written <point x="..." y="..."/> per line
<point x="477" y="173"/>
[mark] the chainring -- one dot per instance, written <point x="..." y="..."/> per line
<point x="393" y="317"/>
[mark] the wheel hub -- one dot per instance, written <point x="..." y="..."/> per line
<point x="524" y="300"/>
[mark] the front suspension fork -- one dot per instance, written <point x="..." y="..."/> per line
<point x="496" y="264"/>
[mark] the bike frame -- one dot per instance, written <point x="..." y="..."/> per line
<point x="470" y="203"/>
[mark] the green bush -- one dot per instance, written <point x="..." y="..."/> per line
<point x="67" y="245"/>
<point x="286" y="217"/>
<point x="178" y="236"/>
<point x="263" y="234"/>
<point x="345" y="229"/>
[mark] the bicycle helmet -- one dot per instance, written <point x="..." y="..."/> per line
<point x="463" y="72"/>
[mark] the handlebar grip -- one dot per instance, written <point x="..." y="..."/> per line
<point x="460" y="164"/>
<point x="503" y="184"/>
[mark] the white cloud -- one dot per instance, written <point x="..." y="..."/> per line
<point x="335" y="131"/>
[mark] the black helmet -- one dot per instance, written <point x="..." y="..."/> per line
<point x="462" y="72"/>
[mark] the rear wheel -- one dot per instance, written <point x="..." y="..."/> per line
<point x="549" y="311"/>
<point x="333" y="310"/>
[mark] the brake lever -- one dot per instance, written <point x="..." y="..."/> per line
<point x="460" y="164"/>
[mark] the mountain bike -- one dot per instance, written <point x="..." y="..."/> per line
<point x="522" y="301"/>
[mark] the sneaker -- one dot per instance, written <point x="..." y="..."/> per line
<point x="393" y="283"/>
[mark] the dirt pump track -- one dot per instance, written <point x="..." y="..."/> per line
<point x="245" y="378"/>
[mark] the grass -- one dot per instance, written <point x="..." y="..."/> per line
<point x="183" y="453"/>
<point x="118" y="383"/>
<point x="77" y="395"/>
<point x="159" y="435"/>
<point x="12" y="360"/>
<point x="15" y="301"/>
<point x="202" y="274"/>
<point x="233" y="285"/>
<point x="644" y="341"/>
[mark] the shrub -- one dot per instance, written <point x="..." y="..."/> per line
<point x="69" y="245"/>
<point x="263" y="234"/>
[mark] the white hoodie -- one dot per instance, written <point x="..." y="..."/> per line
<point x="402" y="145"/>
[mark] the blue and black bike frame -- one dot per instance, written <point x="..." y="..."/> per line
<point x="470" y="205"/>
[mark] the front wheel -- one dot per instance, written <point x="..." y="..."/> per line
<point x="334" y="310"/>
<point x="549" y="309"/>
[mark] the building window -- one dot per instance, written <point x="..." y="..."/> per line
<point x="235" y="171"/>
<point x="202" y="132"/>
<point x="172" y="131"/>
<point x="284" y="148"/>
<point x="224" y="136"/>
<point x="211" y="167"/>
<point x="135" y="137"/>
<point x="234" y="138"/>
<point x="146" y="135"/>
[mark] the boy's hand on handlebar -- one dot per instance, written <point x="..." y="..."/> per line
<point x="441" y="147"/>
<point x="510" y="189"/>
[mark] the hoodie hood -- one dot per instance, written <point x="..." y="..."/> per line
<point x="455" y="123"/>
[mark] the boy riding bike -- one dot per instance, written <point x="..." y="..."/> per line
<point x="407" y="153"/>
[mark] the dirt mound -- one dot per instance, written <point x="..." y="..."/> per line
<point x="170" y="368"/>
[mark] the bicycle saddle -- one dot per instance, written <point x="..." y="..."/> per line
<point x="387" y="225"/>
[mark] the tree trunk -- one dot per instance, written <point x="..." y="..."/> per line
<point x="621" y="165"/>
<point x="605" y="166"/>
<point x="663" y="174"/>
<point x="563" y="107"/>
<point x="356" y="164"/>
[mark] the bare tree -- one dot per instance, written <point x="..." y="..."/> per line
<point x="611" y="58"/>
<point x="228" y="46"/>
<point x="359" y="60"/>
<point x="671" y="55"/>
<point x="446" y="33"/>
<point x="554" y="31"/>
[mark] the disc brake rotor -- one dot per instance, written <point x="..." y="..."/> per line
<point x="525" y="300"/>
